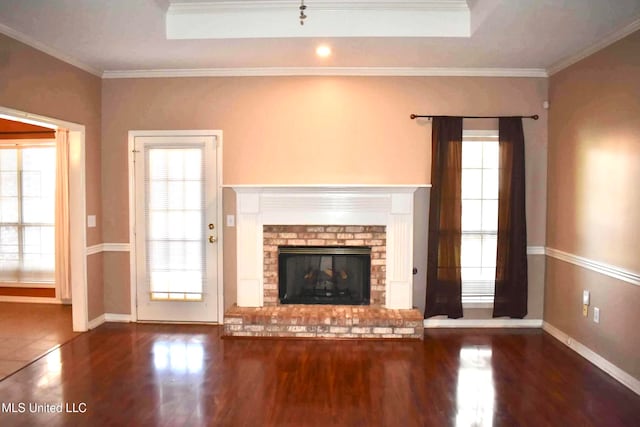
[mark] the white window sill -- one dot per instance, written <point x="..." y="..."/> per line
<point x="43" y="285"/>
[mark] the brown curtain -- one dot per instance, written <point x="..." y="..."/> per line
<point x="445" y="236"/>
<point x="511" y="262"/>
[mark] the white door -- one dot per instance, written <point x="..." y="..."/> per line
<point x="175" y="229"/>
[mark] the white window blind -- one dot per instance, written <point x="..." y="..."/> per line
<point x="27" y="203"/>
<point x="175" y="252"/>
<point x="480" y="162"/>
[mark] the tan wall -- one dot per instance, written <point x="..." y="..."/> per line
<point x="311" y="130"/>
<point x="594" y="198"/>
<point x="616" y="337"/>
<point x="117" y="298"/>
<point x="37" y="83"/>
<point x="95" y="274"/>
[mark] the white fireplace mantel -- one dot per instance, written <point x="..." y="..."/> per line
<point x="388" y="205"/>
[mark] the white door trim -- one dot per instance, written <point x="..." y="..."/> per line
<point x="77" y="213"/>
<point x="133" y="134"/>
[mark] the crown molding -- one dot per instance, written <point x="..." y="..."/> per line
<point x="29" y="41"/>
<point x="607" y="41"/>
<point x="312" y="187"/>
<point x="328" y="71"/>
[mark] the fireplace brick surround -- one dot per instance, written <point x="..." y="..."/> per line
<point x="380" y="217"/>
<point x="373" y="236"/>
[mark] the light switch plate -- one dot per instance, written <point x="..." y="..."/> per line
<point x="231" y="221"/>
<point x="91" y="221"/>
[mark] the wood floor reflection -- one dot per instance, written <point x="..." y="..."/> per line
<point x="167" y="375"/>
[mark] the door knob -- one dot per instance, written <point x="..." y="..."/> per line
<point x="212" y="239"/>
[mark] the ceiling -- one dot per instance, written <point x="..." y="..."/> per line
<point x="109" y="37"/>
<point x="10" y="129"/>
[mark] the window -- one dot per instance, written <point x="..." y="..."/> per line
<point x="175" y="186"/>
<point x="480" y="160"/>
<point x="27" y="194"/>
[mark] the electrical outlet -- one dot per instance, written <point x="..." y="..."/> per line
<point x="596" y="314"/>
<point x="585" y="310"/>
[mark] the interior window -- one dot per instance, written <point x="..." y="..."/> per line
<point x="480" y="159"/>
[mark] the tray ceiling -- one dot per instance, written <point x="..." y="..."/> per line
<point x="526" y="36"/>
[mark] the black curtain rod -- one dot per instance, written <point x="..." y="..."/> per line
<point x="416" y="116"/>
<point x="27" y="131"/>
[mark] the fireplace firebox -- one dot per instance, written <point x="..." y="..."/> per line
<point x="324" y="275"/>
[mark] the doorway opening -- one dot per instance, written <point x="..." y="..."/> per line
<point x="77" y="214"/>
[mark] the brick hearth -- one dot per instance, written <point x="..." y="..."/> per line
<point x="323" y="321"/>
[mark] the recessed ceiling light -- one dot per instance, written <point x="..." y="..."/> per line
<point x="323" y="51"/>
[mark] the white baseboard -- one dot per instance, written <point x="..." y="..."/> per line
<point x="113" y="317"/>
<point x="483" y="323"/>
<point x="109" y="317"/>
<point x="32" y="300"/>
<point x="593" y="357"/>
<point x="94" y="323"/>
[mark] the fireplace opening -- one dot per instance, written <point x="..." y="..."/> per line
<point x="324" y="275"/>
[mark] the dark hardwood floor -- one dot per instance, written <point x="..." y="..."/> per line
<point x="166" y="375"/>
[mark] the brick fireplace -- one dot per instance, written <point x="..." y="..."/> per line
<point x="370" y="236"/>
<point x="375" y="217"/>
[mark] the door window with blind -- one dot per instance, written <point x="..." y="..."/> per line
<point x="480" y="163"/>
<point x="27" y="211"/>
<point x="174" y="187"/>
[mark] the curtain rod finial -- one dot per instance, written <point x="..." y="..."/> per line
<point x="413" y="116"/>
<point x="535" y="117"/>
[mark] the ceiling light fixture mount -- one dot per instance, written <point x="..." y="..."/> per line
<point x="302" y="9"/>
